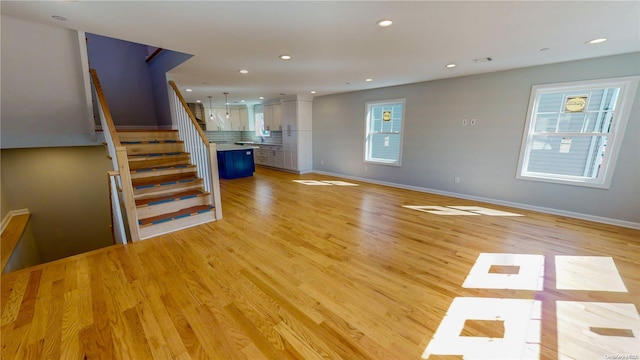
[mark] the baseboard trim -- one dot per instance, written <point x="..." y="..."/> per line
<point x="571" y="214"/>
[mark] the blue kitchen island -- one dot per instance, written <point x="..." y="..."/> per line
<point x="235" y="161"/>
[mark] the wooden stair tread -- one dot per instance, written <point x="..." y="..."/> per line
<point x="162" y="167"/>
<point x="155" y="155"/>
<point x="182" y="195"/>
<point x="138" y="142"/>
<point x="175" y="215"/>
<point x="163" y="180"/>
<point x="138" y="162"/>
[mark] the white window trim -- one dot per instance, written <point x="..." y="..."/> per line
<point x="366" y="134"/>
<point x="628" y="86"/>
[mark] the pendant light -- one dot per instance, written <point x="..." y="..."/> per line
<point x="210" y="109"/>
<point x="226" y="103"/>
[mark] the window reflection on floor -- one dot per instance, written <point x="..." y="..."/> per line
<point x="521" y="338"/>
<point x="499" y="328"/>
<point x="529" y="276"/>
<point x="592" y="330"/>
<point x="324" y="182"/>
<point x="597" y="273"/>
<point x="460" y="210"/>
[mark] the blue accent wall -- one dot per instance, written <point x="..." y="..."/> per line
<point x="158" y="68"/>
<point x="136" y="91"/>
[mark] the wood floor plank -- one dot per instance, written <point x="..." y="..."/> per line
<point x="301" y="272"/>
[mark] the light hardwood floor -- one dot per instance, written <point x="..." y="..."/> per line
<point x="298" y="271"/>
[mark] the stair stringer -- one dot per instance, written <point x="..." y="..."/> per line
<point x="140" y="224"/>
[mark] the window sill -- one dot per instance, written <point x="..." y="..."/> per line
<point x="564" y="181"/>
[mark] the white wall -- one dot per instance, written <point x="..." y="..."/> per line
<point x="43" y="97"/>
<point x="438" y="148"/>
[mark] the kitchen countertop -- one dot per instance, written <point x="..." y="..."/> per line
<point x="230" y="147"/>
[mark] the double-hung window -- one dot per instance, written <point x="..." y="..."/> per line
<point x="574" y="131"/>
<point x="383" y="133"/>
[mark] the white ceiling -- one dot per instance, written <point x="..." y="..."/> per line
<point x="336" y="45"/>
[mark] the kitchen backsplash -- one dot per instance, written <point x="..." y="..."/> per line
<point x="230" y="137"/>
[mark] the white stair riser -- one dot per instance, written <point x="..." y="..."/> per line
<point x="178" y="224"/>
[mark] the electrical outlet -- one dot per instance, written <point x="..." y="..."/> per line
<point x="321" y="162"/>
<point x="465" y="122"/>
<point x="472" y="122"/>
<point x="456" y="180"/>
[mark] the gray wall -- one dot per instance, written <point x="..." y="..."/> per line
<point x="43" y="94"/>
<point x="66" y="191"/>
<point x="438" y="148"/>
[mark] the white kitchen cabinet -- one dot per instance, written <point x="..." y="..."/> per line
<point x="219" y="122"/>
<point x="261" y="156"/>
<point x="233" y="122"/>
<point x="270" y="155"/>
<point x="279" y="154"/>
<point x="297" y="134"/>
<point x="272" y="117"/>
<point x="276" y="121"/>
<point x="244" y="119"/>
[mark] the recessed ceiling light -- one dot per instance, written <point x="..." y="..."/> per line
<point x="243" y="71"/>
<point x="384" y="23"/>
<point x="313" y="91"/>
<point x="285" y="57"/>
<point x="60" y="18"/>
<point x="597" y="41"/>
<point x="241" y="101"/>
<point x="452" y="65"/>
<point x="188" y="90"/>
<point x="261" y="98"/>
<point x="368" y="80"/>
<point x="198" y="101"/>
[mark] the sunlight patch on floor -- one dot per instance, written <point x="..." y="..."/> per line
<point x="485" y="211"/>
<point x="586" y="330"/>
<point x="530" y="273"/>
<point x="460" y="210"/>
<point x="521" y="338"/>
<point x="324" y="182"/>
<point x="595" y="273"/>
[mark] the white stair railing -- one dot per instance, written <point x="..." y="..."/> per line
<point x="203" y="153"/>
<point x="118" y="230"/>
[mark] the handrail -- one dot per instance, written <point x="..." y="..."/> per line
<point x="12" y="233"/>
<point x="120" y="161"/>
<point x="102" y="100"/>
<point x="191" y="116"/>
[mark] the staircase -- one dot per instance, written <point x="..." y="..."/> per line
<point x="167" y="191"/>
